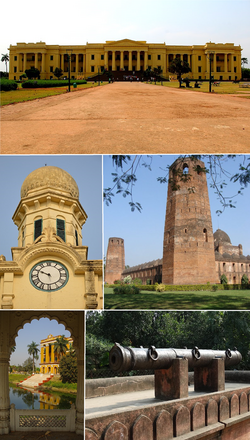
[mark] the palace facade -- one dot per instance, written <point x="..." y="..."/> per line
<point x="128" y="56"/>
<point x="49" y="361"/>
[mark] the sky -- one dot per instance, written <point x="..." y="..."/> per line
<point x="35" y="331"/>
<point x="143" y="232"/>
<point x="182" y="22"/>
<point x="87" y="172"/>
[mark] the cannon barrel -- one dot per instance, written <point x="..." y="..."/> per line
<point x="127" y="358"/>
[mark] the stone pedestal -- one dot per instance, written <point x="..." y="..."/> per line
<point x="210" y="378"/>
<point x="172" y="383"/>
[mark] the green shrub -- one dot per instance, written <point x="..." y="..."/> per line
<point x="68" y="368"/>
<point x="137" y="281"/>
<point x="50" y="83"/>
<point x="214" y="287"/>
<point x="148" y="282"/>
<point x="126" y="289"/>
<point x="6" y="85"/>
<point x="127" y="279"/>
<point x="244" y="279"/>
<point x="160" y="288"/>
<point x="223" y="279"/>
<point x="117" y="282"/>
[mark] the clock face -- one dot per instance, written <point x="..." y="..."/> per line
<point x="49" y="276"/>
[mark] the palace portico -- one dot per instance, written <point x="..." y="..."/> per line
<point x="127" y="56"/>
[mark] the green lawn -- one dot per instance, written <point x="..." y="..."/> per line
<point x="223" y="88"/>
<point x="22" y="95"/>
<point x="220" y="300"/>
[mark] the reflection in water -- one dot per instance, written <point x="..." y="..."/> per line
<point x="24" y="398"/>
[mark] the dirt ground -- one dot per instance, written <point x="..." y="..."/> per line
<point x="128" y="118"/>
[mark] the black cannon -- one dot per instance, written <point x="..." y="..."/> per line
<point x="127" y="358"/>
<point x="171" y="367"/>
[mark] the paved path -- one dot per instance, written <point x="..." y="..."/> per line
<point x="128" y="118"/>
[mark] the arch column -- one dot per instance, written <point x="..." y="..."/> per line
<point x="106" y="59"/>
<point x="4" y="375"/>
<point x="225" y="62"/>
<point x="43" y="62"/>
<point x="80" y="376"/>
<point x="36" y="60"/>
<point x="232" y="63"/>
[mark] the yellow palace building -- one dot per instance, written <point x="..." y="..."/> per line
<point x="128" y="56"/>
<point x="49" y="357"/>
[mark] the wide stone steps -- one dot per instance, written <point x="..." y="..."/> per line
<point x="35" y="380"/>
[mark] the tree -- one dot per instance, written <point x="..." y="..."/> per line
<point x="28" y="365"/>
<point x="125" y="176"/>
<point x="179" y="67"/>
<point x="245" y="73"/>
<point x="244" y="279"/>
<point x="32" y="73"/>
<point x="68" y="368"/>
<point x="33" y="351"/>
<point x="223" y="279"/>
<point x="60" y="346"/>
<point x="5" y="58"/>
<point x="58" y="72"/>
<point x="244" y="61"/>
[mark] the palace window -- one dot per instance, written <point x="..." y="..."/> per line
<point x="235" y="69"/>
<point x="158" y="57"/>
<point x="38" y="227"/>
<point x="102" y="57"/>
<point x="51" y="69"/>
<point x="234" y="58"/>
<point x="15" y="69"/>
<point x="199" y="68"/>
<point x="149" y="57"/>
<point x="218" y="68"/>
<point x="92" y="68"/>
<point x="15" y="58"/>
<point x="199" y="57"/>
<point x="60" y="228"/>
<point x="51" y="57"/>
<point x="92" y="57"/>
<point x="76" y="237"/>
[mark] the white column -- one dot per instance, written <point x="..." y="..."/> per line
<point x="80" y="376"/>
<point x="4" y="376"/>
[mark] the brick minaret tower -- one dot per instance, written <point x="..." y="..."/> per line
<point x="188" y="246"/>
<point x="115" y="260"/>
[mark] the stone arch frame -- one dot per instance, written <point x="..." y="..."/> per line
<point x="13" y="321"/>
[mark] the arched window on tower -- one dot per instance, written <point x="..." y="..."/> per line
<point x="60" y="228"/>
<point x="76" y="237"/>
<point x="38" y="227"/>
<point x="185" y="168"/>
<point x="205" y="234"/>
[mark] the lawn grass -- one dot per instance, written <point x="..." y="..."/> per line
<point x="226" y="88"/>
<point x="22" y="95"/>
<point x="55" y="384"/>
<point x="16" y="377"/>
<point x="220" y="300"/>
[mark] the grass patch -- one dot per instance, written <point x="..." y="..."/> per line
<point x="55" y="384"/>
<point x="16" y="377"/>
<point x="226" y="88"/>
<point x="220" y="300"/>
<point x="23" y="95"/>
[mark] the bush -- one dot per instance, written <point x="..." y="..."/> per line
<point x="223" y="279"/>
<point x="244" y="279"/>
<point x="137" y="281"/>
<point x="127" y="279"/>
<point x="50" y="83"/>
<point x="126" y="289"/>
<point x="7" y="84"/>
<point x="68" y="368"/>
<point x="214" y="287"/>
<point x="160" y="287"/>
<point x="117" y="282"/>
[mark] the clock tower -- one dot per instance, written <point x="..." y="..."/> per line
<point x="50" y="269"/>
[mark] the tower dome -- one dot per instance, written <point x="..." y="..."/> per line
<point x="220" y="235"/>
<point x="50" y="176"/>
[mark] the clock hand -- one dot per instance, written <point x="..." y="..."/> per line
<point x="45" y="273"/>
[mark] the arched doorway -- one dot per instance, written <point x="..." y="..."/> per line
<point x="10" y="323"/>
